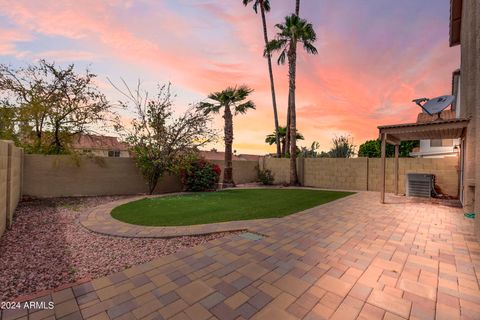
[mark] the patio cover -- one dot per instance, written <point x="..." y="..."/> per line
<point x="394" y="134"/>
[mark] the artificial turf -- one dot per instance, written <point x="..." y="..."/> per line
<point x="220" y="206"/>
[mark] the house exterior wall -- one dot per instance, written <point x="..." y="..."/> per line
<point x="426" y="151"/>
<point x="470" y="97"/>
<point x="104" y="153"/>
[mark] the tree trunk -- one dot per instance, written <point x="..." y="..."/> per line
<point x="297" y="7"/>
<point x="272" y="84"/>
<point x="292" y="62"/>
<point x="287" y="136"/>
<point x="228" y="131"/>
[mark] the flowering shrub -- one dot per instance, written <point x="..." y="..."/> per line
<point x="200" y="175"/>
<point x="266" y="177"/>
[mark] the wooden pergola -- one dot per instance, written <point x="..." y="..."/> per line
<point x="394" y="134"/>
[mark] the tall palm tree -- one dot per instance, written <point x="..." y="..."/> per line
<point x="282" y="133"/>
<point x="294" y="30"/>
<point x="265" y="7"/>
<point x="228" y="99"/>
<point x="297" y="12"/>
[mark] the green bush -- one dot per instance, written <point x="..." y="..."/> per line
<point x="200" y="175"/>
<point x="266" y="177"/>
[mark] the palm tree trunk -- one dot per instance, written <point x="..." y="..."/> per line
<point x="297" y="7"/>
<point x="292" y="63"/>
<point x="272" y="84"/>
<point x="287" y="136"/>
<point x="228" y="131"/>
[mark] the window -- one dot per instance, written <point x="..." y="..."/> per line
<point x="441" y="143"/>
<point x="87" y="150"/>
<point x="114" y="153"/>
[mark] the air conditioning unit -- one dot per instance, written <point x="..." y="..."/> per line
<point x="419" y="185"/>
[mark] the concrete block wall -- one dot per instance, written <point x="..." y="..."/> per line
<point x="243" y="171"/>
<point x="10" y="182"/>
<point x="3" y="186"/>
<point x="336" y="173"/>
<point x="364" y="173"/>
<point x="65" y="176"/>
<point x="279" y="167"/>
<point x="62" y="176"/>
<point x="444" y="169"/>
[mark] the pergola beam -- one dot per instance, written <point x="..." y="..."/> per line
<point x="394" y="134"/>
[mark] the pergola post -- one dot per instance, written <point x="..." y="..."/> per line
<point x="395" y="174"/>
<point x="383" y="168"/>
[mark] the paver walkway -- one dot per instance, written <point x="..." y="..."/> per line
<point x="352" y="258"/>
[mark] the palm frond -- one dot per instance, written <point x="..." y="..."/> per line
<point x="244" y="107"/>
<point x="208" y="108"/>
<point x="310" y="48"/>
<point x="266" y="5"/>
<point x="281" y="57"/>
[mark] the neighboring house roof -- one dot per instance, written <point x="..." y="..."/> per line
<point x="216" y="155"/>
<point x="95" y="142"/>
<point x="250" y="157"/>
<point x="455" y="22"/>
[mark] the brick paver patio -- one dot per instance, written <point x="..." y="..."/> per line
<point x="349" y="259"/>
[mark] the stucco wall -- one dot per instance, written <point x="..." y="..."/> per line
<point x="364" y="173"/>
<point x="10" y="182"/>
<point x="470" y="97"/>
<point x="56" y="176"/>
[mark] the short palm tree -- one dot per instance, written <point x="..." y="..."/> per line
<point x="228" y="99"/>
<point x="282" y="133"/>
<point x="293" y="31"/>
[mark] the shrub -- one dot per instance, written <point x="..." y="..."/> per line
<point x="200" y="175"/>
<point x="266" y="177"/>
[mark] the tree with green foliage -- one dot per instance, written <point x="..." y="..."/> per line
<point x="265" y="7"/>
<point x="312" y="151"/>
<point x="52" y="104"/>
<point x="292" y="32"/>
<point x="158" y="139"/>
<point x="228" y="99"/>
<point x="372" y="149"/>
<point x="7" y="123"/>
<point x="342" y="148"/>
<point x="282" y="133"/>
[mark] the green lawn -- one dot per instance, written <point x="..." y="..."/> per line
<point x="226" y="205"/>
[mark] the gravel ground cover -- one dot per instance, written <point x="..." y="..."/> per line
<point x="47" y="248"/>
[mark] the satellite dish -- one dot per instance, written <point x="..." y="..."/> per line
<point x="435" y="105"/>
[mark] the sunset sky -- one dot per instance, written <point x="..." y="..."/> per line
<point x="374" y="56"/>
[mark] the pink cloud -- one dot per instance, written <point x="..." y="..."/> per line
<point x="349" y="87"/>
